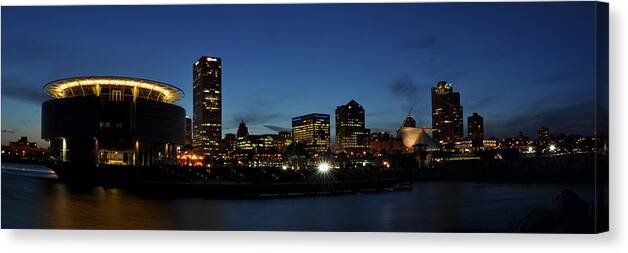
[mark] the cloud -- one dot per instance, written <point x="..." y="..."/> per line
<point x="252" y="118"/>
<point x="408" y="90"/>
<point x="572" y="119"/>
<point x="5" y="131"/>
<point x="554" y="78"/>
<point x="421" y="43"/>
<point x="277" y="128"/>
<point x="480" y="103"/>
<point x="22" y="90"/>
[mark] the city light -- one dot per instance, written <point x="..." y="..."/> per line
<point x="552" y="148"/>
<point x="57" y="89"/>
<point x="323" y="167"/>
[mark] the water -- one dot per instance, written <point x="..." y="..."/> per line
<point x="33" y="198"/>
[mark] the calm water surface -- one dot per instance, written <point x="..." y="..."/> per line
<point x="32" y="198"/>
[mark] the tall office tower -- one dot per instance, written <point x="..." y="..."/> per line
<point x="313" y="131"/>
<point x="446" y="114"/>
<point x="207" y="88"/>
<point x="351" y="136"/>
<point x="475" y="128"/>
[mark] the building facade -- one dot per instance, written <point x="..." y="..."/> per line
<point x="446" y="114"/>
<point x="23" y="150"/>
<point x="351" y="136"/>
<point x="313" y="131"/>
<point x="544" y="138"/>
<point x="207" y="102"/>
<point x="188" y="132"/>
<point x="475" y="129"/>
<point x="113" y="121"/>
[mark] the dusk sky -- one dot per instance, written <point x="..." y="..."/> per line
<point x="519" y="65"/>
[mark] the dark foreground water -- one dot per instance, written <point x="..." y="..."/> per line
<point x="32" y="198"/>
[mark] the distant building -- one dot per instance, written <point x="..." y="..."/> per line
<point x="313" y="131"/>
<point x="207" y="102"/>
<point x="188" y="132"/>
<point x="519" y="142"/>
<point x="412" y="136"/>
<point x="24" y="150"/>
<point x="229" y="144"/>
<point x="265" y="150"/>
<point x="475" y="128"/>
<point x="243" y="142"/>
<point x="409" y="122"/>
<point x="351" y="136"/>
<point x="284" y="139"/>
<point x="382" y="143"/>
<point x="544" y="138"/>
<point x="446" y="114"/>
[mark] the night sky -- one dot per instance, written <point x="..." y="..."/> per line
<point x="520" y="65"/>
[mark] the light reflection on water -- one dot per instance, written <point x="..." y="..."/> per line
<point x="32" y="198"/>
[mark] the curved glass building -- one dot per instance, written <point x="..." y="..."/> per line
<point x="113" y="120"/>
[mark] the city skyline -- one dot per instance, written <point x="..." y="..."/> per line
<point x="390" y="82"/>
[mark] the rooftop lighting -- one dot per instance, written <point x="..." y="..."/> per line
<point x="57" y="88"/>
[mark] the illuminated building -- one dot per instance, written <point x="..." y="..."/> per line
<point x="189" y="158"/>
<point x="264" y="150"/>
<point x="351" y="136"/>
<point x="284" y="139"/>
<point x="382" y="143"/>
<point x="207" y="102"/>
<point x="446" y="114"/>
<point x="313" y="131"/>
<point x="475" y="128"/>
<point x="113" y="120"/>
<point x="519" y="142"/>
<point x="242" y="138"/>
<point x="22" y="149"/>
<point x="489" y="144"/>
<point x="411" y="136"/>
<point x="229" y="143"/>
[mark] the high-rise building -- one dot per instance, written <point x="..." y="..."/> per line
<point x="313" y="131"/>
<point x="351" y="136"/>
<point x="446" y="114"/>
<point x="207" y="88"/>
<point x="544" y="137"/>
<point x="475" y="128"/>
<point x="188" y="132"/>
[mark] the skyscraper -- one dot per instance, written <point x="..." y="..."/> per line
<point x="446" y="114"/>
<point x="313" y="131"/>
<point x="350" y="132"/>
<point x="207" y="88"/>
<point x="475" y="128"/>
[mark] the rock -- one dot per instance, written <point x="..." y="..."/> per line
<point x="566" y="213"/>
